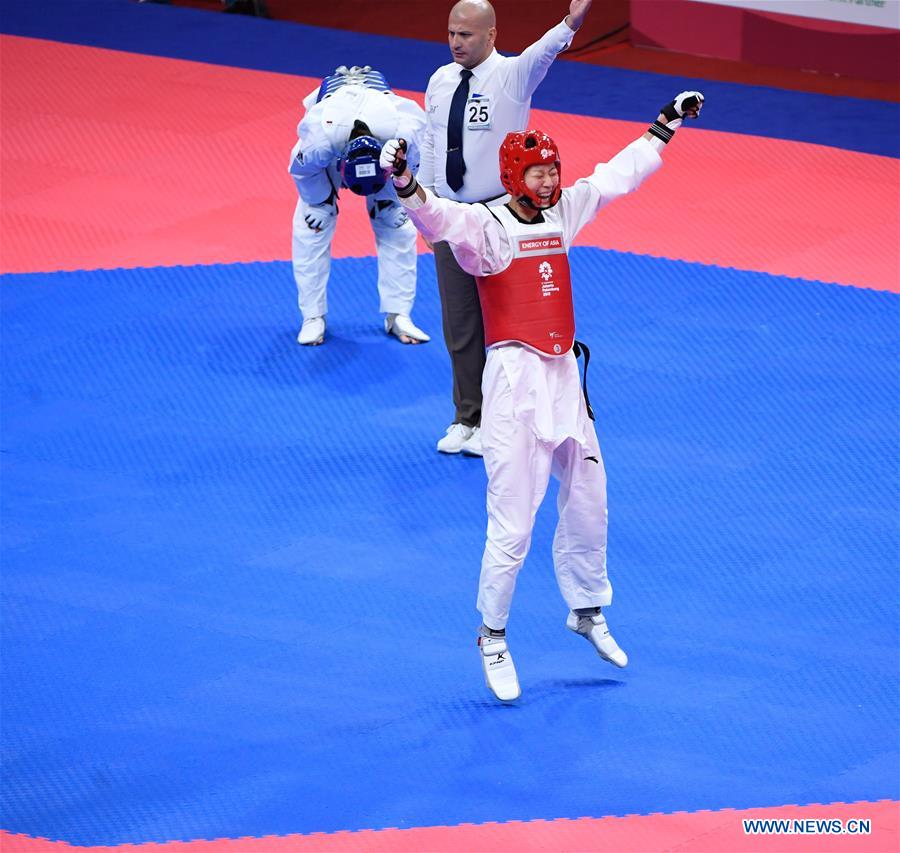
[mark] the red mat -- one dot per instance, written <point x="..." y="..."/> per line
<point x="114" y="159"/>
<point x="692" y="832"/>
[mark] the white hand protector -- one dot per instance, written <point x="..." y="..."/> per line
<point x="689" y="103"/>
<point x="387" y="212"/>
<point x="389" y="152"/>
<point x="318" y="215"/>
<point x="393" y="161"/>
<point x="685" y="105"/>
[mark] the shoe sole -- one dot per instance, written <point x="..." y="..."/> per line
<point x="391" y="332"/>
<point x="503" y="701"/>
<point x="610" y="660"/>
<point x="410" y="341"/>
<point x="599" y="653"/>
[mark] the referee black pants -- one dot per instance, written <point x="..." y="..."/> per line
<point x="463" y="334"/>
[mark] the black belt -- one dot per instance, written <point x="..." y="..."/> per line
<point x="579" y="348"/>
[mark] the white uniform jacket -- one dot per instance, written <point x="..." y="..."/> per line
<point x="483" y="244"/>
<point x="325" y="129"/>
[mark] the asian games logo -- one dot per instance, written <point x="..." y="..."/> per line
<point x="548" y="288"/>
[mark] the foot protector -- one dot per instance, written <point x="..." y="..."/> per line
<point x="403" y="328"/>
<point x="499" y="669"/>
<point x="312" y="333"/>
<point x="594" y="629"/>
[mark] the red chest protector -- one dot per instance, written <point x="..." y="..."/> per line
<point x="531" y="300"/>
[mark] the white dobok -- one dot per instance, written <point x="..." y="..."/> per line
<point x="534" y="419"/>
<point x="323" y="134"/>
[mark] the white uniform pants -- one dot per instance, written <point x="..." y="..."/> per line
<point x="311" y="256"/>
<point x="519" y="466"/>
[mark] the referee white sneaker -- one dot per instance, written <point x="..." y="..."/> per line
<point x="456" y="437"/>
<point x="403" y="328"/>
<point x="472" y="445"/>
<point x="593" y="628"/>
<point x="499" y="669"/>
<point x="312" y="333"/>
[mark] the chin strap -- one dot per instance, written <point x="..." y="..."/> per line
<point x="527" y="202"/>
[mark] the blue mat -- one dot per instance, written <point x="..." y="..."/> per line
<point x="852" y="123"/>
<point x="238" y="582"/>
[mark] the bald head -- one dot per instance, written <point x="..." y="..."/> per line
<point x="479" y="11"/>
<point x="471" y="32"/>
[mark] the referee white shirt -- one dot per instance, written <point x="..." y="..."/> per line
<point x="499" y="102"/>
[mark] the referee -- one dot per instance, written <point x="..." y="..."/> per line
<point x="471" y="104"/>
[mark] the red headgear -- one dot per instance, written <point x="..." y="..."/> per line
<point x="521" y="150"/>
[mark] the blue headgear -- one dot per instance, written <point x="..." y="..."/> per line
<point x="360" y="171"/>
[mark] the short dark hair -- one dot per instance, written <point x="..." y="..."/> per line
<point x="360" y="128"/>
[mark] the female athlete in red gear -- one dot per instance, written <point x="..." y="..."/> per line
<point x="536" y="421"/>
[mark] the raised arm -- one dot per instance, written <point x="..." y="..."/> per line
<point x="477" y="239"/>
<point x="625" y="172"/>
<point x="578" y="9"/>
<point x="527" y="70"/>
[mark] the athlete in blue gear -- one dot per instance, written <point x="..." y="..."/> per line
<point x="347" y="120"/>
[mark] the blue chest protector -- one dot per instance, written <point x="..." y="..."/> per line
<point x="360" y="76"/>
